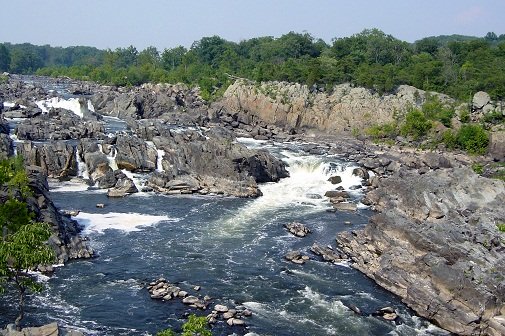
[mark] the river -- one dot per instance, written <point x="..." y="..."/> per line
<point x="232" y="248"/>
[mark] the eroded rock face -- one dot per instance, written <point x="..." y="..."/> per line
<point x="295" y="106"/>
<point x="56" y="158"/>
<point x="435" y="243"/>
<point x="66" y="241"/>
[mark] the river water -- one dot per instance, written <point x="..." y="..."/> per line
<point x="232" y="248"/>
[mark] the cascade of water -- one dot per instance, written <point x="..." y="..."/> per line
<point x="159" y="156"/>
<point x="72" y="104"/>
<point x="111" y="157"/>
<point x="82" y="168"/>
<point x="305" y="188"/>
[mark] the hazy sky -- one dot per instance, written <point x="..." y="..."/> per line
<point x="120" y="23"/>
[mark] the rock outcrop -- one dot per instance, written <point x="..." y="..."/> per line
<point x="210" y="163"/>
<point x="436" y="244"/>
<point x="56" y="159"/>
<point x="65" y="240"/>
<point x="297" y="106"/>
<point x="146" y="101"/>
<point x="59" y="124"/>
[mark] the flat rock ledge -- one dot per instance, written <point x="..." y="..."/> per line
<point x="436" y="243"/>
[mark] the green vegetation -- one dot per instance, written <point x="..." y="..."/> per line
<point x="501" y="227"/>
<point x="22" y="247"/>
<point x="478" y="168"/>
<point x="383" y="131"/>
<point x="195" y="325"/>
<point x="416" y="124"/>
<point x="473" y="138"/>
<point x="455" y="65"/>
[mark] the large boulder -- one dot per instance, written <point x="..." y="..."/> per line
<point x="480" y="99"/>
<point x="213" y="162"/>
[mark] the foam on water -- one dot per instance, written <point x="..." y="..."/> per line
<point x="334" y="306"/>
<point x="69" y="186"/>
<point x="127" y="222"/>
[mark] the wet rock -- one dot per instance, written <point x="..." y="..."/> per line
<point x="190" y="300"/>
<point x="297" y="229"/>
<point x="296" y="257"/>
<point x="123" y="187"/>
<point x="335" y="179"/>
<point x="220" y="308"/>
<point x="336" y="193"/>
<point x="343" y="206"/>
<point x="328" y="254"/>
<point x="361" y="172"/>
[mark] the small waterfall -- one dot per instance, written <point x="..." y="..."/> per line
<point x="159" y="161"/>
<point x="72" y="104"/>
<point x="82" y="168"/>
<point x="159" y="156"/>
<point x="15" y="141"/>
<point x="90" y="106"/>
<point x="111" y="157"/>
<point x="305" y="189"/>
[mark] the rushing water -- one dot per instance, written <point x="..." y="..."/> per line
<point x="232" y="248"/>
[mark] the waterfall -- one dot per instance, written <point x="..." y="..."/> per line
<point x="82" y="168"/>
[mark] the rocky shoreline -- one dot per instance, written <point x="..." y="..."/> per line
<point x="434" y="241"/>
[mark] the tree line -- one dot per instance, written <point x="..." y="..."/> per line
<point x="456" y="65"/>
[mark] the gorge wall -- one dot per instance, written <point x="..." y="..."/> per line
<point x="297" y="106"/>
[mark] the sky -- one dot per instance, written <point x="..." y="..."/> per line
<point x="167" y="24"/>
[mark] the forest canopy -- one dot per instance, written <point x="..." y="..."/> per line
<point x="456" y="65"/>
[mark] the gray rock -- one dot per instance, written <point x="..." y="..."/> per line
<point x="328" y="254"/>
<point x="221" y="308"/>
<point x="480" y="99"/>
<point x="335" y="179"/>
<point x="345" y="206"/>
<point x="361" y="172"/>
<point x="56" y="158"/>
<point x="134" y="155"/>
<point x="190" y="300"/>
<point x="297" y="229"/>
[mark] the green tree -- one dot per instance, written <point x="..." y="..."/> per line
<point x="23" y="246"/>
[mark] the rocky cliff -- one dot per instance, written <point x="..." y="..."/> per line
<point x="436" y="243"/>
<point x="344" y="108"/>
